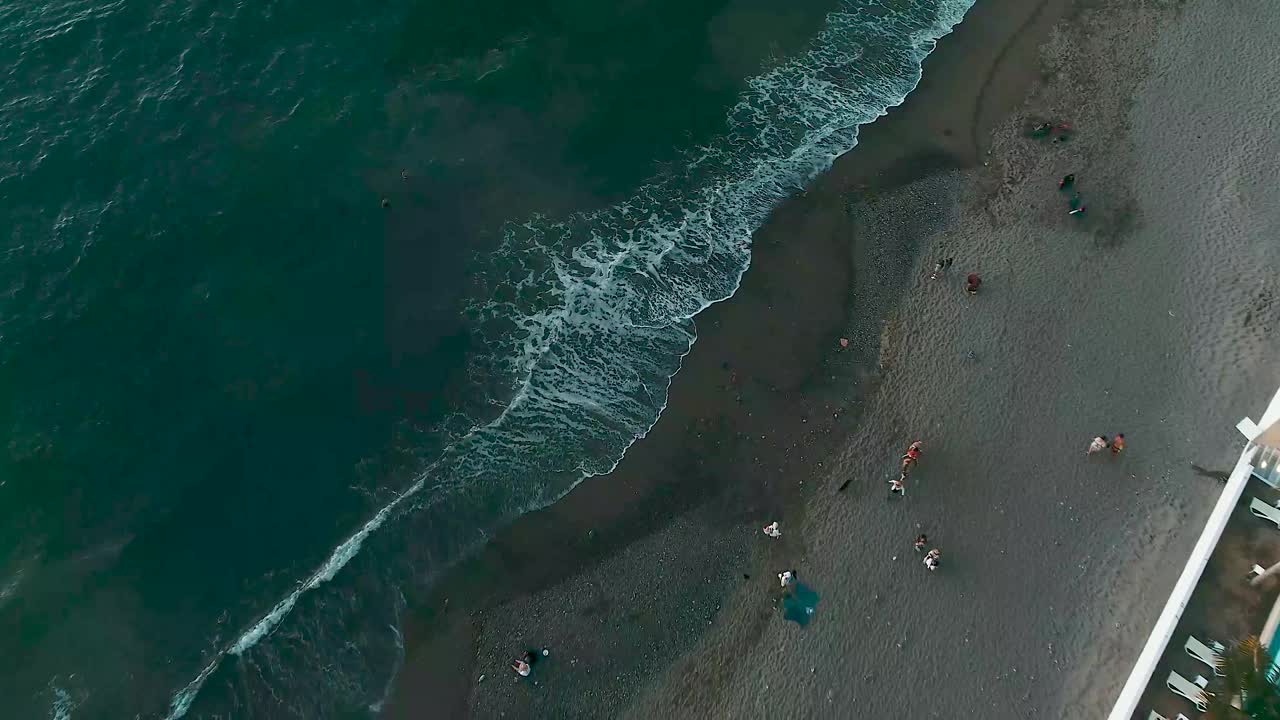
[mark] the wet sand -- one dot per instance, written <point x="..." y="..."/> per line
<point x="1151" y="315"/>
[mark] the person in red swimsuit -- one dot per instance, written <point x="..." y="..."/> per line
<point x="913" y="454"/>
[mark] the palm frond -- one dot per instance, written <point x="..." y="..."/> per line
<point x="1246" y="686"/>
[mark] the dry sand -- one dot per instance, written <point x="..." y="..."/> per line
<point x="1153" y="315"/>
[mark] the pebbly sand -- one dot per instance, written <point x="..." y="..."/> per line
<point x="1154" y="315"/>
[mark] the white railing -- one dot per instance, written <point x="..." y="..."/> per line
<point x="1168" y="620"/>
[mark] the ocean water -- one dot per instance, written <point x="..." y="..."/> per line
<point x="301" y="301"/>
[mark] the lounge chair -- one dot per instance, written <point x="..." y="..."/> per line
<point x="1265" y="511"/>
<point x="1194" y="692"/>
<point x="1207" y="654"/>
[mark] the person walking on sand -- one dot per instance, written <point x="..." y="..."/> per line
<point x="1117" y="444"/>
<point x="898" y="486"/>
<point x="921" y="539"/>
<point x="1098" y="445"/>
<point x="971" y="283"/>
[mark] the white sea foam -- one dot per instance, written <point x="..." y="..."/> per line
<point x="602" y="303"/>
<point x="63" y="703"/>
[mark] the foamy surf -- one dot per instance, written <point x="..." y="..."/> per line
<point x="595" y="312"/>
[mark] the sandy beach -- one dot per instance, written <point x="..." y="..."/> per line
<point x="1151" y="314"/>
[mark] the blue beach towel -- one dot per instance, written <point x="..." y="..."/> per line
<point x="799" y="606"/>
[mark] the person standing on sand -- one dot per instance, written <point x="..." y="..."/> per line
<point x="921" y="539"/>
<point x="1117" y="444"/>
<point x="1098" y="445"/>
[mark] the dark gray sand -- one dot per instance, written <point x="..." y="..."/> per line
<point x="1152" y="315"/>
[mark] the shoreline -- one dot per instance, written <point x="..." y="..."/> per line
<point x="686" y="461"/>
<point x="1151" y="315"/>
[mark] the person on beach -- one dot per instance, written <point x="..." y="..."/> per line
<point x="787" y="578"/>
<point x="911" y="456"/>
<point x="523" y="665"/>
<point x="932" y="558"/>
<point x="772" y="530"/>
<point x="1066" y="182"/>
<point x="941" y="267"/>
<point x="1077" y="206"/>
<point x="898" y="486"/>
<point x="1098" y="445"/>
<point x="921" y="539"/>
<point x="1117" y="444"/>
<point x="971" y="283"/>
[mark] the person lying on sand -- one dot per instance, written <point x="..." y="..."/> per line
<point x="912" y="455"/>
<point x="921" y="539"/>
<point x="1066" y="182"/>
<point x="897" y="486"/>
<point x="1098" y="445"/>
<point x="932" y="559"/>
<point x="941" y="267"/>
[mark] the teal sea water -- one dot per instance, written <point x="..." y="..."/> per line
<point x="300" y="301"/>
